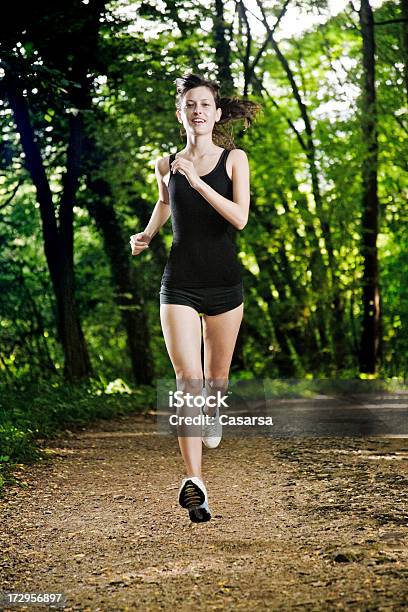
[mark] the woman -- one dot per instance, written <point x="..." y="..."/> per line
<point x="206" y="189"/>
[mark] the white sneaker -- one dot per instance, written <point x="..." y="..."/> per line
<point x="211" y="432"/>
<point x="193" y="497"/>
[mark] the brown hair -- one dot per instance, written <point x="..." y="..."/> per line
<point x="232" y="108"/>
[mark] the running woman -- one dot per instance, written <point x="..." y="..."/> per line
<point x="206" y="190"/>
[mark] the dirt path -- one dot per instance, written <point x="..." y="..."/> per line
<point x="298" y="524"/>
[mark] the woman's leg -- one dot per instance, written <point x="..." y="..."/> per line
<point x="220" y="334"/>
<point x="181" y="327"/>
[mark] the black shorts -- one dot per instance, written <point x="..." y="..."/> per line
<point x="206" y="300"/>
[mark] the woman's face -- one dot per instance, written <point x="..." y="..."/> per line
<point x="198" y="113"/>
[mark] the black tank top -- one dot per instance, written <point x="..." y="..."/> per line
<point x="203" y="251"/>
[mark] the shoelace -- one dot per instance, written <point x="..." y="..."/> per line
<point x="191" y="495"/>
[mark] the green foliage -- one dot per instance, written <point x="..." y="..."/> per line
<point x="16" y="445"/>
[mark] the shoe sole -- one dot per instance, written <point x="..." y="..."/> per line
<point x="192" y="498"/>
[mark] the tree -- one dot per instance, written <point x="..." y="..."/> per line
<point x="404" y="41"/>
<point x="32" y="27"/>
<point x="370" y="336"/>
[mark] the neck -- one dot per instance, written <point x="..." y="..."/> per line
<point x="199" y="146"/>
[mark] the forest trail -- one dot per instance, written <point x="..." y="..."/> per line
<point x="298" y="524"/>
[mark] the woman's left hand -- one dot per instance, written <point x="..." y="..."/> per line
<point x="186" y="167"/>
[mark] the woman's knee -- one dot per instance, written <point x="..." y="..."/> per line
<point x="189" y="379"/>
<point x="215" y="375"/>
<point x="217" y="381"/>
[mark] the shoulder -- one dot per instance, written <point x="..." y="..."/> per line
<point x="238" y="154"/>
<point x="238" y="161"/>
<point x="238" y="157"/>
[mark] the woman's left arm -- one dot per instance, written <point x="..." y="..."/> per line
<point x="236" y="211"/>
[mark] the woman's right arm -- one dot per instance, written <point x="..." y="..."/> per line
<point x="161" y="212"/>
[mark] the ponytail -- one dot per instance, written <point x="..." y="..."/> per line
<point x="233" y="109"/>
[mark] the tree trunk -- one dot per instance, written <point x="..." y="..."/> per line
<point x="58" y="241"/>
<point x="370" y="338"/>
<point x="404" y="42"/>
<point x="222" y="50"/>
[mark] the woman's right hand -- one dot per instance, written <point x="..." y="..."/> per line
<point x="139" y="242"/>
